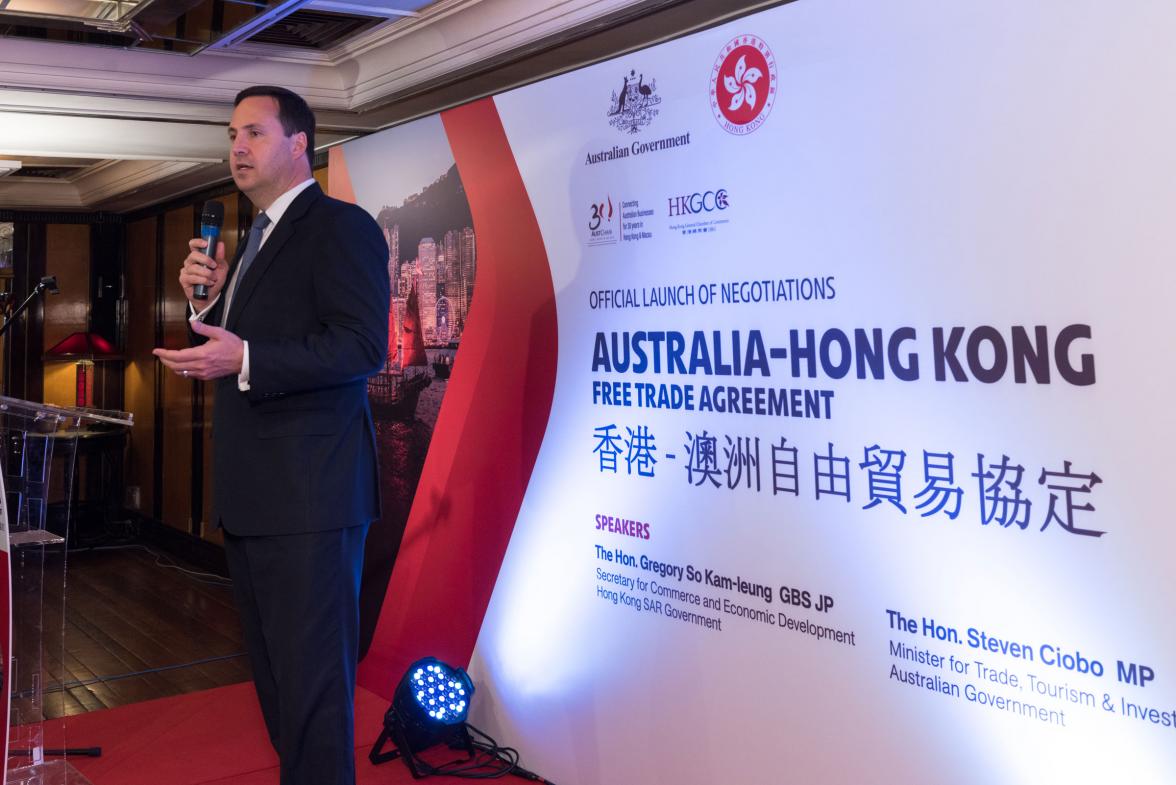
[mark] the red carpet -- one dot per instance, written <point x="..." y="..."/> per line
<point x="214" y="737"/>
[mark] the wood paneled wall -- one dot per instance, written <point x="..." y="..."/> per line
<point x="171" y="454"/>
<point x="233" y="231"/>
<point x="176" y="392"/>
<point x="135" y="262"/>
<point x="67" y="256"/>
<point x="139" y="382"/>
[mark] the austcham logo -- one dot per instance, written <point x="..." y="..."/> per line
<point x="601" y="230"/>
<point x="743" y="84"/>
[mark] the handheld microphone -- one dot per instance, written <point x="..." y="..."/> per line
<point x="211" y="219"/>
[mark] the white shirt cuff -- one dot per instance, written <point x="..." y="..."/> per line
<point x="193" y="316"/>
<point x="243" y="377"/>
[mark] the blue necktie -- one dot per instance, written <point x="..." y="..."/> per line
<point x="253" y="244"/>
<point x="252" y="247"/>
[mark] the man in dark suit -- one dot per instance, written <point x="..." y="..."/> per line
<point x="289" y="334"/>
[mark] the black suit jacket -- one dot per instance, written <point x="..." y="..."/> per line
<point x="297" y="452"/>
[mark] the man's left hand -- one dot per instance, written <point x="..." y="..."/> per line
<point x="221" y="355"/>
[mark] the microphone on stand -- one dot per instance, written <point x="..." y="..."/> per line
<point x="211" y="219"/>
<point x="48" y="283"/>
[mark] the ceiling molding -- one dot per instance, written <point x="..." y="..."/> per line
<point x="481" y="32"/>
<point x="392" y="57"/>
<point x="162" y="109"/>
<point x="273" y="53"/>
<point x="126" y="177"/>
<point x="97" y="168"/>
<point x="131" y="185"/>
<point x="214" y="77"/>
<point x="164" y="115"/>
<point x="390" y="33"/>
<point x="31" y="134"/>
<point x="33" y="193"/>
<point x="199" y="178"/>
<point x="140" y="176"/>
<point x="107" y="137"/>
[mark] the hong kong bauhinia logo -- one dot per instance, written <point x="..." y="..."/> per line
<point x="743" y="84"/>
<point x="635" y="106"/>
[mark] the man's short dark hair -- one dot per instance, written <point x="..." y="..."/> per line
<point x="293" y="112"/>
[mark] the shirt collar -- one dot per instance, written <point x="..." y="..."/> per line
<point x="282" y="203"/>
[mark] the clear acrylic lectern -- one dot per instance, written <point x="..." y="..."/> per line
<point x="38" y="447"/>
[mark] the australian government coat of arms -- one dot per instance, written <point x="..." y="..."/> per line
<point x="635" y="105"/>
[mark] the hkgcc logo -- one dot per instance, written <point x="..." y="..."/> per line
<point x="702" y="212"/>
<point x="743" y="85"/>
<point x="698" y="203"/>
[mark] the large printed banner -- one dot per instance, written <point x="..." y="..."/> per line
<point x="809" y="422"/>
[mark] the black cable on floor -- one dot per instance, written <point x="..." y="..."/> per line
<point x="69" y="685"/>
<point x="161" y="560"/>
<point x="488" y="761"/>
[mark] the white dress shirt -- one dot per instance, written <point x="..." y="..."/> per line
<point x="275" y="212"/>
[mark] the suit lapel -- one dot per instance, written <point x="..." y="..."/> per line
<point x="281" y="233"/>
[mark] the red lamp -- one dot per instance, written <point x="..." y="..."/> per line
<point x="85" y="349"/>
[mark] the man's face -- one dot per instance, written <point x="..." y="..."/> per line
<point x="264" y="161"/>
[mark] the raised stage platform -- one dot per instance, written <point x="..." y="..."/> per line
<point x="213" y="737"/>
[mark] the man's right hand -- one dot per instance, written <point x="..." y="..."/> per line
<point x="200" y="268"/>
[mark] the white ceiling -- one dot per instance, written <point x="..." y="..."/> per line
<point x="154" y="122"/>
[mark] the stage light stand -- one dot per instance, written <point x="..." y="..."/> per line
<point x="428" y="708"/>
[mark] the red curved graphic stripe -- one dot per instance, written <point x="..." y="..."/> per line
<point x="490" y="426"/>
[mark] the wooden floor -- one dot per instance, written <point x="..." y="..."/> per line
<point x="136" y="629"/>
